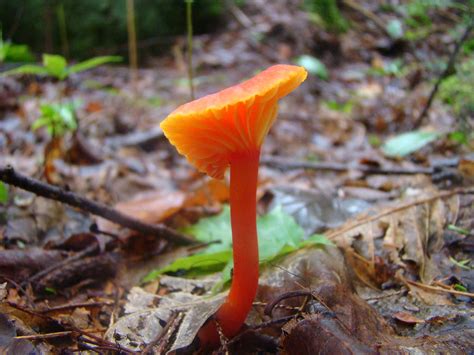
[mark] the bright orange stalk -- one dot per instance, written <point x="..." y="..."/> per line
<point x="243" y="211"/>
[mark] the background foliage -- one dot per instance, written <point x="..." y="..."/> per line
<point x="99" y="26"/>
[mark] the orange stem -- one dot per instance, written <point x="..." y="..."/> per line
<point x="243" y="210"/>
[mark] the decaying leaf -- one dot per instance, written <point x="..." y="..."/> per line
<point x="147" y="314"/>
<point x="150" y="207"/>
<point x="406" y="234"/>
<point x="407" y="318"/>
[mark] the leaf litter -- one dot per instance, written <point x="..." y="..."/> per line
<point x="400" y="278"/>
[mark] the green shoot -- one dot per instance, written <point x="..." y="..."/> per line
<point x="459" y="287"/>
<point x="57" y="119"/>
<point x="56" y="66"/>
<point x="329" y="13"/>
<point x="132" y="39"/>
<point x="62" y="29"/>
<point x="10" y="52"/>
<point x="459" y="230"/>
<point x="463" y="264"/>
<point x="189" y="27"/>
<point x="3" y="193"/>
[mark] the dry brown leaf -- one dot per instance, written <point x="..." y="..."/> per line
<point x="407" y="318"/>
<point x="150" y="207"/>
<point x="413" y="233"/>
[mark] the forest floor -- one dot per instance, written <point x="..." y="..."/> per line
<point x="394" y="270"/>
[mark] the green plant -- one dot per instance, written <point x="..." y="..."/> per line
<point x="3" y="193"/>
<point x="313" y="65"/>
<point x="457" y="91"/>
<point x="329" y="13"/>
<point x="93" y="26"/>
<point x="344" y="107"/>
<point x="57" y="118"/>
<point x="10" y="52"/>
<point x="408" y="142"/>
<point x="56" y="66"/>
<point x="394" y="67"/>
<point x="417" y="15"/>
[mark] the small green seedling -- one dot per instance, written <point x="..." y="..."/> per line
<point x="11" y="52"/>
<point x="56" y="66"/>
<point x="57" y="118"/>
<point x="463" y="264"/>
<point x="3" y="193"/>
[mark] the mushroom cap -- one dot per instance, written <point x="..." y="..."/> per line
<point x="209" y="130"/>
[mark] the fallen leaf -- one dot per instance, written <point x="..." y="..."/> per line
<point x="407" y="318"/>
<point x="151" y="207"/>
<point x="407" y="143"/>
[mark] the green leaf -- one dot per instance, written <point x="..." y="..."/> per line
<point x="199" y="264"/>
<point x="40" y="122"/>
<point x="317" y="239"/>
<point x="463" y="264"/>
<point x="3" y="193"/>
<point x="215" y="230"/>
<point x="407" y="143"/>
<point x="313" y="66"/>
<point x="26" y="69"/>
<point x="459" y="230"/>
<point x="278" y="232"/>
<point x="57" y="118"/>
<point x="459" y="137"/>
<point x="92" y="63"/>
<point x="345" y="107"/>
<point x="459" y="287"/>
<point x="55" y="65"/>
<point x="395" y="29"/>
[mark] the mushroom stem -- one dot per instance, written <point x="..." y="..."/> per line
<point x="243" y="210"/>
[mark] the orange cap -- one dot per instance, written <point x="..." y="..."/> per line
<point x="207" y="131"/>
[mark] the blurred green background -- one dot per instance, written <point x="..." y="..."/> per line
<point x="96" y="27"/>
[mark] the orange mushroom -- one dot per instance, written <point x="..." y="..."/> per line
<point x="227" y="129"/>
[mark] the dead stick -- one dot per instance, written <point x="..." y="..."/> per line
<point x="287" y="164"/>
<point x="439" y="289"/>
<point x="60" y="264"/>
<point x="11" y="177"/>
<point x="444" y="74"/>
<point x="75" y="305"/>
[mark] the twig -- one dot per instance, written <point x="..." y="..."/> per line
<point x="45" y="336"/>
<point x="96" y="340"/>
<point x="269" y="308"/>
<point x="173" y="322"/>
<point x="239" y="15"/>
<point x="444" y="74"/>
<point x="60" y="264"/>
<point x="287" y="164"/>
<point x="76" y="305"/>
<point x="10" y="176"/>
<point x="440" y="289"/>
<point x="272" y="322"/>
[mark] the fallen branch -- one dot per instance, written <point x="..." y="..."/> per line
<point x="11" y="177"/>
<point x="444" y="74"/>
<point x="287" y="164"/>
